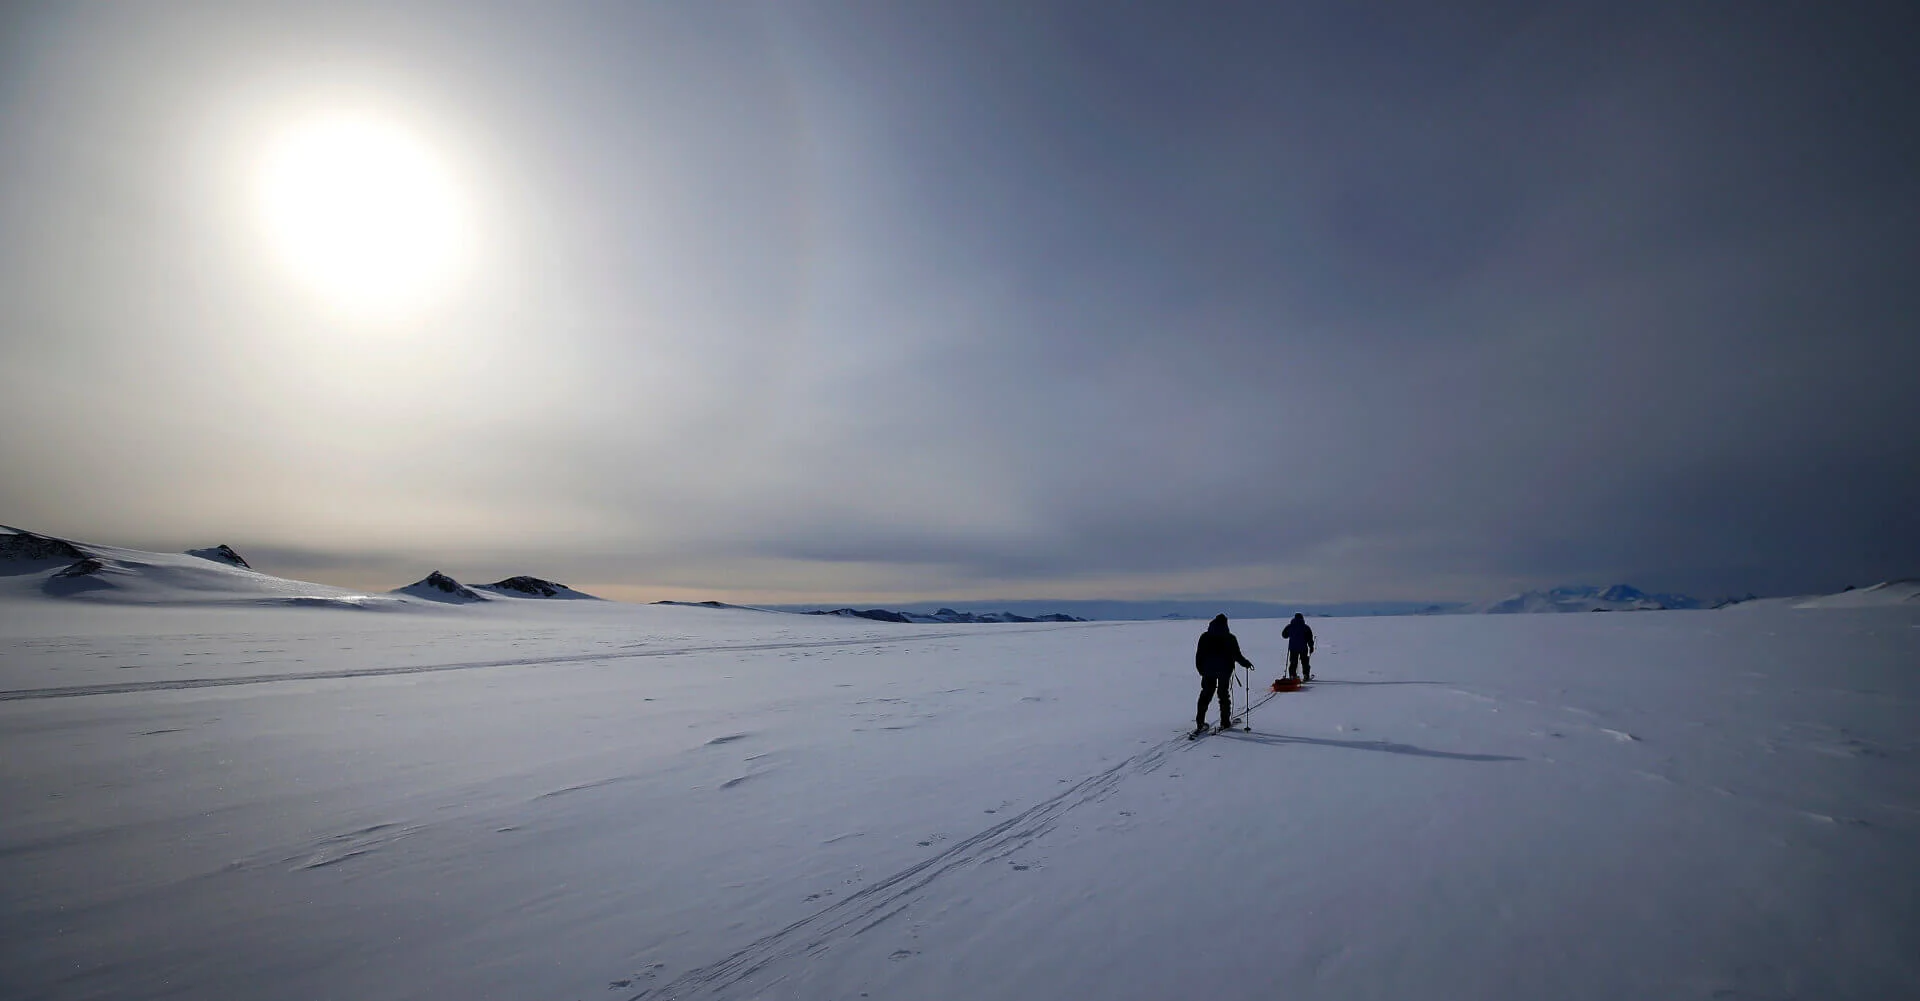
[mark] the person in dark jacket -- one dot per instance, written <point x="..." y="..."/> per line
<point x="1214" y="658"/>
<point x="1299" y="638"/>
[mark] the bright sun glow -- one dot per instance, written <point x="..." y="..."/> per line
<point x="364" y="212"/>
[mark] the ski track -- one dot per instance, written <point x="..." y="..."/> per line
<point x="124" y="687"/>
<point x="854" y="915"/>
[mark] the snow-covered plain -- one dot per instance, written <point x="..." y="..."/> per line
<point x="521" y="799"/>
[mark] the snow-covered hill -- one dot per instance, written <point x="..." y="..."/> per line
<point x="1893" y="592"/>
<point x="1618" y="598"/>
<point x="533" y="587"/>
<point x="576" y="799"/>
<point x="437" y="586"/>
<point x="32" y="564"/>
<point x="38" y="565"/>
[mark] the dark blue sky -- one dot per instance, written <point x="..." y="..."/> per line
<point x="1312" y="302"/>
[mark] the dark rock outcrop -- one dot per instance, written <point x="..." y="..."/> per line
<point x="531" y="586"/>
<point x="876" y="614"/>
<point x="221" y="553"/>
<point x="16" y="544"/>
<point x="437" y="586"/>
<point x="86" y="567"/>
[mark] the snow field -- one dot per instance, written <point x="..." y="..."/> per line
<point x="691" y="803"/>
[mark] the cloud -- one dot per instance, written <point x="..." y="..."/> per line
<point x="1300" y="304"/>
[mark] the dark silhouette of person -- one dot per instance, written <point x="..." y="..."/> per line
<point x="1214" y="658"/>
<point x="1299" y="638"/>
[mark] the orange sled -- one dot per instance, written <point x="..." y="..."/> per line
<point x="1285" y="685"/>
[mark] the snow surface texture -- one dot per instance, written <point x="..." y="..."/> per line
<point x="581" y="799"/>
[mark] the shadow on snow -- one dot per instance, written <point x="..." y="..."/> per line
<point x="1257" y="737"/>
<point x="1337" y="681"/>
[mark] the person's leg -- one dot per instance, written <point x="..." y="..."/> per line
<point x="1226" y="701"/>
<point x="1293" y="665"/>
<point x="1306" y="666"/>
<point x="1206" y="696"/>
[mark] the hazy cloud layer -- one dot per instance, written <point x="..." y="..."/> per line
<point x="1315" y="302"/>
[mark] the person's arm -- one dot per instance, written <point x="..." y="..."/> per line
<point x="1239" y="657"/>
<point x="1309" y="641"/>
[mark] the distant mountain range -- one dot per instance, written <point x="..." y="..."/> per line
<point x="65" y="569"/>
<point x="1618" y="598"/>
<point x="1102" y="610"/>
<point x="437" y="586"/>
<point x="62" y="568"/>
<point x="943" y="615"/>
<point x="887" y="615"/>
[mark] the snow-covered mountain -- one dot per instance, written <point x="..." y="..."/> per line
<point x="45" y="566"/>
<point x="32" y="564"/>
<point x="1904" y="592"/>
<point x="1583" y="598"/>
<point x="437" y="586"/>
<point x="1893" y="592"/>
<point x="533" y="587"/>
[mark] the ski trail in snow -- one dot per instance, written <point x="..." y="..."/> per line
<point x="857" y="913"/>
<point x="124" y="687"/>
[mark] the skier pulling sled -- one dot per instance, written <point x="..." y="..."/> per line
<point x="1299" y="637"/>
<point x="1215" y="658"/>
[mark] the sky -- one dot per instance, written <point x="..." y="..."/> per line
<point x="864" y="301"/>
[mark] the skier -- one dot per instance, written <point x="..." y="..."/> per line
<point x="1214" y="659"/>
<point x="1299" y="638"/>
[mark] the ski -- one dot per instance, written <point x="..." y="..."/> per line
<point x="1201" y="731"/>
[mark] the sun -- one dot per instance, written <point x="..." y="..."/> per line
<point x="364" y="212"/>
